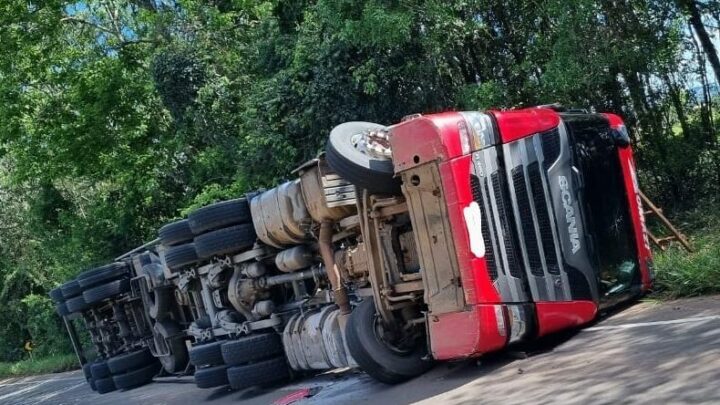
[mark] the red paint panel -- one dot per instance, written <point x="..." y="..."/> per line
<point x="560" y="315"/>
<point x="466" y="334"/>
<point x="632" y="191"/>
<point x="425" y="139"/>
<point x="476" y="281"/>
<point x="517" y="124"/>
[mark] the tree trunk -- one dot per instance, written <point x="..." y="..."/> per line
<point x="677" y="103"/>
<point x="695" y="19"/>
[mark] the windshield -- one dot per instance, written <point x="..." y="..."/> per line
<point x="605" y="203"/>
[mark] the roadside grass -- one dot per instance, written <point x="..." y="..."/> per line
<point x="45" y="365"/>
<point x="682" y="274"/>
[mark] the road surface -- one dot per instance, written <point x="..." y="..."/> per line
<point x="657" y="352"/>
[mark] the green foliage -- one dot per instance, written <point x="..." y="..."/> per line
<point x="679" y="273"/>
<point x="44" y="365"/>
<point x="116" y="117"/>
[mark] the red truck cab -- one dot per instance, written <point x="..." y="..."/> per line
<point x="527" y="222"/>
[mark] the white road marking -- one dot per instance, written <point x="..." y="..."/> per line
<point x="655" y="323"/>
<point x="24" y="390"/>
<point x="41" y="399"/>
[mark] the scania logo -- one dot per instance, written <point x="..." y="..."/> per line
<point x="569" y="213"/>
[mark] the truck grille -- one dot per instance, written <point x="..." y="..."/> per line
<point x="489" y="249"/>
<point x="506" y="218"/>
<point x="528" y="224"/>
<point x="543" y="219"/>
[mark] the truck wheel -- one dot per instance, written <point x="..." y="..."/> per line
<point x="61" y="309"/>
<point x="56" y="295"/>
<point x="86" y="371"/>
<point x="76" y="304"/>
<point x="99" y="370"/>
<point x="260" y="373"/>
<point x="104" y="385"/>
<point x="97" y="276"/>
<point x="180" y="256"/>
<point x="219" y="215"/>
<point x="108" y="290"/>
<point x="137" y="377"/>
<point x="175" y="233"/>
<point x="91" y="382"/>
<point x="129" y="361"/>
<point x="209" y="354"/>
<point x="70" y="289"/>
<point x="210" y="377"/>
<point x="224" y="241"/>
<point x="251" y="348"/>
<point x="379" y="359"/>
<point x="346" y="155"/>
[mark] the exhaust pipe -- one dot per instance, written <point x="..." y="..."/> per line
<point x="328" y="258"/>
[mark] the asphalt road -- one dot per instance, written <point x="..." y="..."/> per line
<point x="652" y="352"/>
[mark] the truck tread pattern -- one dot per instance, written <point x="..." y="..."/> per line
<point x="102" y="274"/>
<point x="129" y="361"/>
<point x="219" y="215"/>
<point x="225" y="241"/>
<point x="209" y="354"/>
<point x="135" y="378"/>
<point x="175" y="233"/>
<point x="104" y="385"/>
<point x="70" y="289"/>
<point x="260" y="373"/>
<point x="76" y="304"/>
<point x="210" y="377"/>
<point x="251" y="348"/>
<point x="180" y="256"/>
<point x="108" y="290"/>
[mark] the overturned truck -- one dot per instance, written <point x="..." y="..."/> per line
<point x="444" y="236"/>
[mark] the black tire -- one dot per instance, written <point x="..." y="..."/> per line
<point x="91" y="382"/>
<point x="180" y="256"/>
<point x="374" y="356"/>
<point x="56" y="295"/>
<point x="219" y="215"/>
<point x="129" y="361"/>
<point x="375" y="175"/>
<point x="175" y="233"/>
<point x="100" y="275"/>
<point x="76" y="304"/>
<point x="104" y="385"/>
<point x="225" y="241"/>
<point x="209" y="354"/>
<point x="61" y="309"/>
<point x="160" y="300"/>
<point x="251" y="348"/>
<point x="211" y="377"/>
<point x="108" y="290"/>
<point x="99" y="370"/>
<point x="137" y="377"/>
<point x="260" y="373"/>
<point x="86" y="371"/>
<point x="70" y="289"/>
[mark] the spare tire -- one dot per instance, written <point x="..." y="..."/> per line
<point x="108" y="290"/>
<point x="180" y="256"/>
<point x="219" y="215"/>
<point x="345" y="156"/>
<point x="175" y="233"/>
<point x="225" y="241"/>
